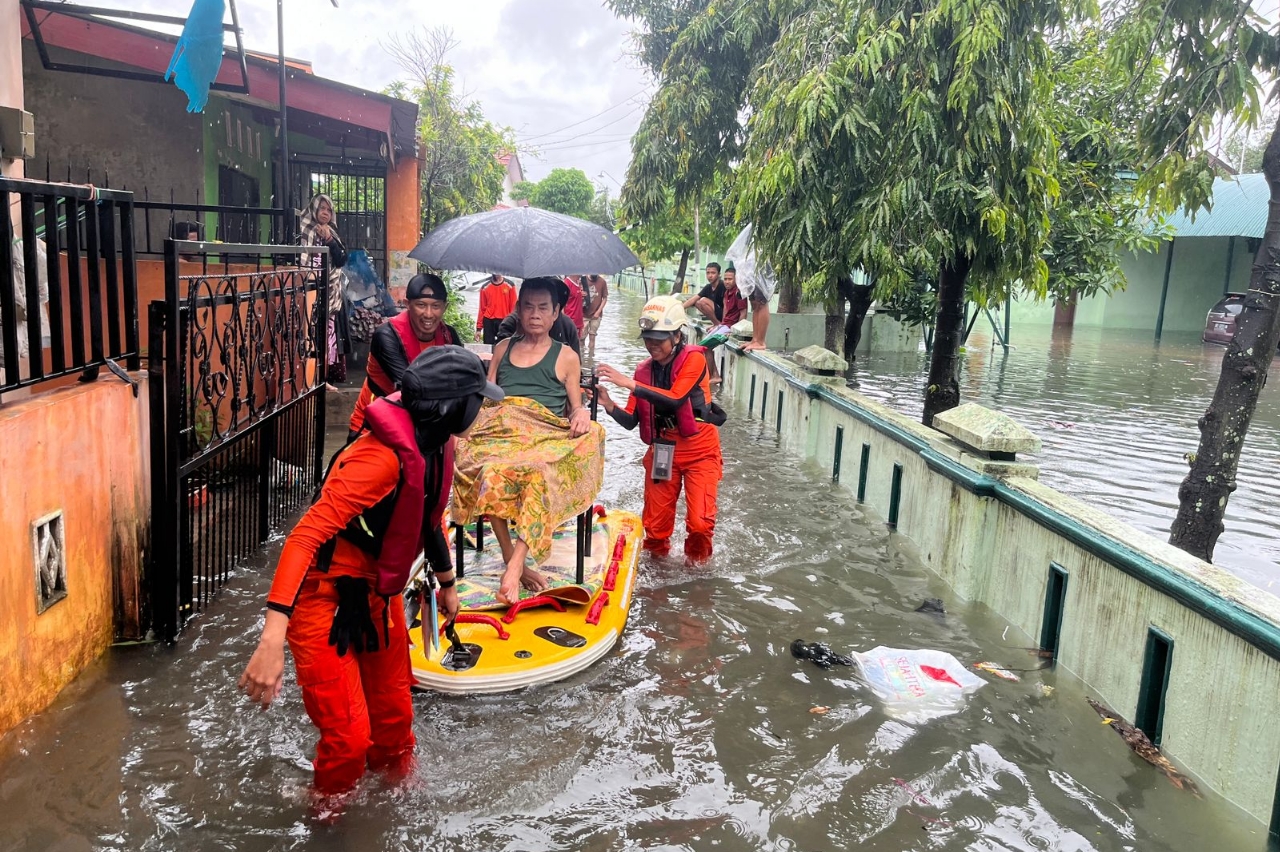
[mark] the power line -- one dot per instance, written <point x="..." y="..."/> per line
<point x="609" y="108"/>
<point x="574" y="137"/>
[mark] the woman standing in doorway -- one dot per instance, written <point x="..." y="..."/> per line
<point x="319" y="227"/>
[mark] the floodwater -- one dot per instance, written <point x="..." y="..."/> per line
<point x="1117" y="415"/>
<point x="700" y="732"/>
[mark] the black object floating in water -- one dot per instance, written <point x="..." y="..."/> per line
<point x="932" y="606"/>
<point x="820" y="653"/>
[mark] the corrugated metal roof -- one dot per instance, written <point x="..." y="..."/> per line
<point x="1239" y="210"/>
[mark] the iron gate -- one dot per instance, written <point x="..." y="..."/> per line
<point x="237" y="415"/>
<point x="359" y="194"/>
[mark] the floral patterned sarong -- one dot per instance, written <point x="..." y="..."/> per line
<point x="519" y="463"/>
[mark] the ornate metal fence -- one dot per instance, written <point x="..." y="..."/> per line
<point x="237" y="376"/>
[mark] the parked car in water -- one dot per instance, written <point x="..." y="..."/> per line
<point x="1220" y="324"/>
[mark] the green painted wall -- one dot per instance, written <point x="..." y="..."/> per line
<point x="235" y="139"/>
<point x="1195" y="283"/>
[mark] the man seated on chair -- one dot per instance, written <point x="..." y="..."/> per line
<point x="536" y="459"/>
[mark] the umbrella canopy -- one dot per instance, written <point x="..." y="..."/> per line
<point x="524" y="242"/>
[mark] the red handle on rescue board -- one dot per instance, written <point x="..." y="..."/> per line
<point x="619" y="548"/>
<point x="611" y="578"/>
<point x="478" y="618"/>
<point x="529" y="603"/>
<point x="593" y="615"/>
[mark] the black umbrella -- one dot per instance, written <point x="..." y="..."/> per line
<point x="524" y="242"/>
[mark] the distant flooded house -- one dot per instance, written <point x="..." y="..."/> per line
<point x="1172" y="289"/>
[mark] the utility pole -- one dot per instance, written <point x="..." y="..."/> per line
<point x="286" y="208"/>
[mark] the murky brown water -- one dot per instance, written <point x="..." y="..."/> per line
<point x="1116" y="414"/>
<point x="697" y="734"/>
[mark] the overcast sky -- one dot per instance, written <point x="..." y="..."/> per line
<point x="556" y="71"/>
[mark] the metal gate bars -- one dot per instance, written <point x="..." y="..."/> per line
<point x="237" y="377"/>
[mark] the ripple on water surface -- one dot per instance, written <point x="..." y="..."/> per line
<point x="696" y="734"/>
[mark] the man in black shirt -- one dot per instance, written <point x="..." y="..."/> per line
<point x="562" y="329"/>
<point x="710" y="300"/>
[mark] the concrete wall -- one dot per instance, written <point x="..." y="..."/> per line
<point x="81" y="450"/>
<point x="138" y="134"/>
<point x="11" y="87"/>
<point x="1196" y="282"/>
<point x="994" y="541"/>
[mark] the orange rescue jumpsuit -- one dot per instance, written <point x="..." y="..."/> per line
<point x="360" y="701"/>
<point x="698" y="467"/>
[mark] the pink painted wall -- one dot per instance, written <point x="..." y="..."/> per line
<point x="80" y="450"/>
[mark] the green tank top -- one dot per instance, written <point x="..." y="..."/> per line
<point x="539" y="382"/>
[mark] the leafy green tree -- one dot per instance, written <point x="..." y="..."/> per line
<point x="603" y="210"/>
<point x="567" y="191"/>
<point x="461" y="173"/>
<point x="917" y="141"/>
<point x="1094" y="114"/>
<point x="1215" y="51"/>
<point x="523" y="191"/>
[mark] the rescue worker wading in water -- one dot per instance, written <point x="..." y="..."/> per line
<point x="397" y="342"/>
<point x="336" y="596"/>
<point x="671" y="403"/>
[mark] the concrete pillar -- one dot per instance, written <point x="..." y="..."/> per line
<point x="403" y="220"/>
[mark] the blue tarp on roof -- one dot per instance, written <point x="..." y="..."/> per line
<point x="1239" y="210"/>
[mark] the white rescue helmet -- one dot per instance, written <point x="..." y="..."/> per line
<point x="661" y="317"/>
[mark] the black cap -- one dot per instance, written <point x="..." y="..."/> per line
<point x="446" y="372"/>
<point x="424" y="285"/>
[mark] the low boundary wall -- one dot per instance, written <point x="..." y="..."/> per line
<point x="1164" y="639"/>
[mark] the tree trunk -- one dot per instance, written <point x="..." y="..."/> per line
<point x="859" y="298"/>
<point x="789" y="297"/>
<point x="943" y="389"/>
<point x="684" y="262"/>
<point x="834" y="323"/>
<point x="1202" y="497"/>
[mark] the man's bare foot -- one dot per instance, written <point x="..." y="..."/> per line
<point x="753" y="346"/>
<point x="532" y="580"/>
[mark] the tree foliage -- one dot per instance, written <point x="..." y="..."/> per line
<point x="1095" y="114"/>
<point x="918" y="140"/>
<point x="461" y="173"/>
<point x="567" y="191"/>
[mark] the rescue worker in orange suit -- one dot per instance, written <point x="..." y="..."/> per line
<point x="497" y="299"/>
<point x="397" y="343"/>
<point x="671" y="403"/>
<point x="336" y="595"/>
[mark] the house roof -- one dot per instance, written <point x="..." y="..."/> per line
<point x="1239" y="210"/>
<point x="149" y="50"/>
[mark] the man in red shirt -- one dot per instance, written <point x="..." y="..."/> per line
<point x="735" y="306"/>
<point x="599" y="291"/>
<point x="497" y="299"/>
<point x="573" y="307"/>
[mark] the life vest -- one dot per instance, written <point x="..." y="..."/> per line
<point x="377" y="376"/>
<point x="391" y="530"/>
<point x="686" y="414"/>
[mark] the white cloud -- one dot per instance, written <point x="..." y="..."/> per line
<point x="538" y="66"/>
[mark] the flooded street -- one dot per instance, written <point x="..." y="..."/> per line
<point x="1116" y="414"/>
<point x="700" y="732"/>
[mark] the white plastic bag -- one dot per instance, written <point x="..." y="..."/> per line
<point x="916" y="685"/>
